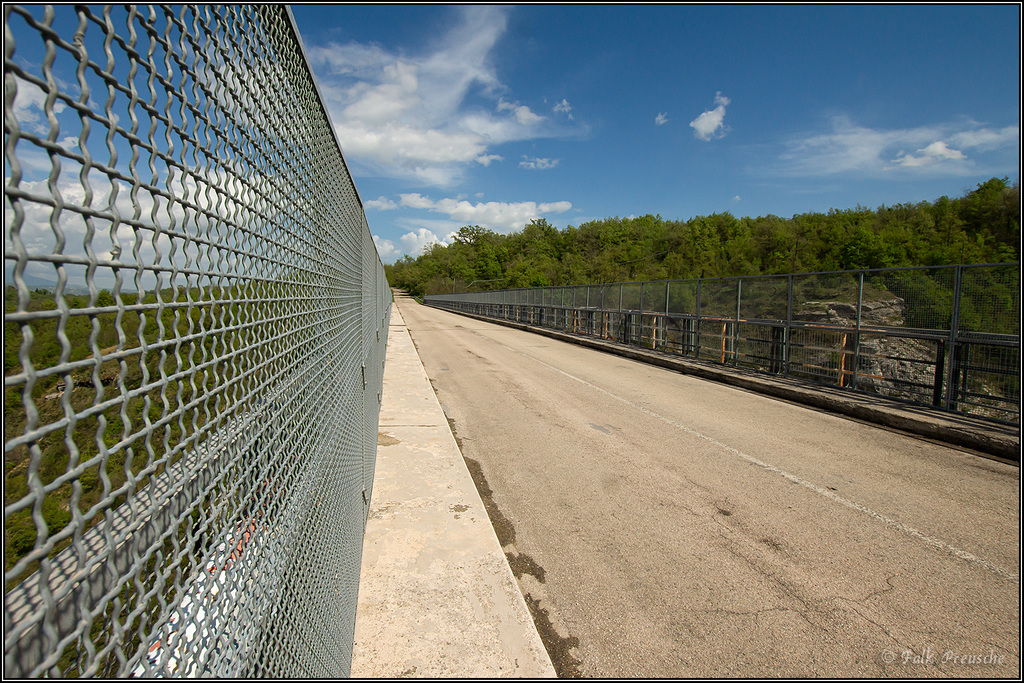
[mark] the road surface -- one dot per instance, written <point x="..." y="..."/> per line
<point x="661" y="525"/>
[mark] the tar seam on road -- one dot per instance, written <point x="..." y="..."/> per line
<point x="910" y="531"/>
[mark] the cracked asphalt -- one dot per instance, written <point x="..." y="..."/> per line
<point x="660" y="525"/>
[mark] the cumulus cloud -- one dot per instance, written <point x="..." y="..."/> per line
<point x="661" y="119"/>
<point x="386" y="249"/>
<point x="932" y="154"/>
<point x="415" y="242"/>
<point x="711" y="123"/>
<point x="405" y="117"/>
<point x="412" y="243"/>
<point x="415" y="200"/>
<point x="501" y="217"/>
<point x="380" y="204"/>
<point x="522" y="113"/>
<point x="536" y="163"/>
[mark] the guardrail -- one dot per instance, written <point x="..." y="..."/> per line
<point x="195" y="320"/>
<point x="946" y="337"/>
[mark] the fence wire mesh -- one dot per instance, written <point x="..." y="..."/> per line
<point x="946" y="337"/>
<point x="195" y="320"/>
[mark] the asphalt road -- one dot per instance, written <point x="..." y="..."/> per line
<point x="661" y="525"/>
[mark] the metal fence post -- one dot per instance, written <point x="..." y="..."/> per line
<point x="860" y="307"/>
<point x="664" y="331"/>
<point x="787" y="342"/>
<point x="954" y="330"/>
<point x="621" y="333"/>
<point x="696" y="349"/>
<point x="640" y="337"/>
<point x="736" y="325"/>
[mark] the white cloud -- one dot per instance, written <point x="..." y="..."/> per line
<point x="380" y="204"/>
<point x="29" y="105"/>
<point x="563" y="107"/>
<point x="415" y="200"/>
<point x="415" y="242"/>
<point x="847" y="147"/>
<point x="536" y="163"/>
<point x="486" y="159"/>
<point x="397" y="93"/>
<point x="522" y="113"/>
<point x="149" y="244"/>
<point x="661" y="119"/>
<point x="501" y="217"/>
<point x="410" y="151"/>
<point x="386" y="249"/>
<point x="404" y="116"/>
<point x="420" y="235"/>
<point x="711" y="123"/>
<point x="851" y="148"/>
<point x="985" y="139"/>
<point x="932" y="154"/>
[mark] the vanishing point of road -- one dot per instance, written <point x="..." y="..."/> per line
<point x="661" y="525"/>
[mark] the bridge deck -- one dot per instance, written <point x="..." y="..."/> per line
<point x="662" y="525"/>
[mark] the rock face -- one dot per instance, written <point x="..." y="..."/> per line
<point x="898" y="367"/>
<point x="883" y="313"/>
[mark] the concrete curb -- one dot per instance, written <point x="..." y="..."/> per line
<point x="437" y="597"/>
<point x="1001" y="441"/>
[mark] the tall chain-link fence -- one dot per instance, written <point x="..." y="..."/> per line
<point x="195" y="320"/>
<point x="946" y="337"/>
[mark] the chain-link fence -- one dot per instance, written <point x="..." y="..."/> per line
<point x="947" y="337"/>
<point x="194" y="322"/>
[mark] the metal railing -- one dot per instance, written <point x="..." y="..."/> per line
<point x="946" y="337"/>
<point x="195" y="319"/>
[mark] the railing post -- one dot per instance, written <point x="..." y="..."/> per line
<point x="696" y="348"/>
<point x="954" y="330"/>
<point x="620" y="335"/>
<point x="856" y="349"/>
<point x="788" y="341"/>
<point x="664" y="331"/>
<point x="736" y="325"/>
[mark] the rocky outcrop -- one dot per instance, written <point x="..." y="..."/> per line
<point x="897" y="367"/>
<point x="884" y="313"/>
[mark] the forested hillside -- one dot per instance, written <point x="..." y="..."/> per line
<point x="983" y="226"/>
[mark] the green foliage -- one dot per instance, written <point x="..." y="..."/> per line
<point x="183" y="315"/>
<point x="983" y="226"/>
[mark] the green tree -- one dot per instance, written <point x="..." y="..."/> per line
<point x="983" y="226"/>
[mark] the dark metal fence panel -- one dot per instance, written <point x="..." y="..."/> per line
<point x="990" y="300"/>
<point x="195" y="321"/>
<point x="921" y="298"/>
<point x="764" y="298"/>
<point x="946" y="337"/>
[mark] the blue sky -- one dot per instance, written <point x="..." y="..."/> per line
<point x="489" y="115"/>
